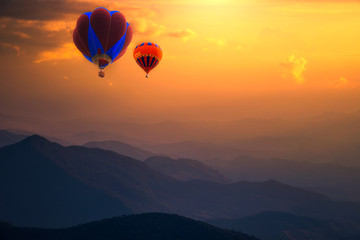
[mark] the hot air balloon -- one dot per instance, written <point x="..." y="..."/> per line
<point x="102" y="36"/>
<point x="147" y="55"/>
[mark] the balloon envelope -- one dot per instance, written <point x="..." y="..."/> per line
<point x="102" y="36"/>
<point x="147" y="55"/>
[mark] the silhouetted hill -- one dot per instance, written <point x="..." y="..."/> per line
<point x="99" y="136"/>
<point x="329" y="137"/>
<point x="5" y="225"/>
<point x="11" y="136"/>
<point x="287" y="226"/>
<point x="150" y="226"/>
<point x="46" y="184"/>
<point x="7" y="138"/>
<point x="335" y="180"/>
<point x="36" y="191"/>
<point x="203" y="151"/>
<point x="121" y="148"/>
<point x="185" y="169"/>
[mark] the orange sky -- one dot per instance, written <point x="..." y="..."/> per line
<point x="222" y="60"/>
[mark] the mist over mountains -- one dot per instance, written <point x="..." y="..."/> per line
<point x="122" y="148"/>
<point x="132" y="186"/>
<point x="306" y="169"/>
<point x="185" y="169"/>
<point x="287" y="226"/>
<point x="328" y="137"/>
<point x="333" y="179"/>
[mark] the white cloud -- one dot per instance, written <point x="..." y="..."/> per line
<point x="293" y="68"/>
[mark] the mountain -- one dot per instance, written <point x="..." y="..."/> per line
<point x="203" y="151"/>
<point x="10" y="136"/>
<point x="121" y="148"/>
<point x="333" y="179"/>
<point x="185" y="169"/>
<point x="36" y="191"/>
<point x="44" y="184"/>
<point x="100" y="136"/>
<point x="7" y="138"/>
<point x="329" y="137"/>
<point x="287" y="226"/>
<point x="150" y="226"/>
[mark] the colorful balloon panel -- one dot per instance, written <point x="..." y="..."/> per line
<point x="102" y="36"/>
<point x="147" y="55"/>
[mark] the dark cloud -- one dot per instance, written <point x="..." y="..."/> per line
<point x="9" y="49"/>
<point x="30" y="27"/>
<point x="32" y="36"/>
<point x="42" y="9"/>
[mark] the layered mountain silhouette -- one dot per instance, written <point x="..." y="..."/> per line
<point x="287" y="226"/>
<point x="185" y="169"/>
<point x="333" y="179"/>
<point x="44" y="184"/>
<point x="7" y="138"/>
<point x="150" y="226"/>
<point x="11" y="136"/>
<point x="35" y="190"/>
<point x="121" y="148"/>
<point x="328" y="137"/>
<point x="182" y="169"/>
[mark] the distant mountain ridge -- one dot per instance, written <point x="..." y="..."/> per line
<point x="328" y="137"/>
<point x="121" y="148"/>
<point x="149" y="226"/>
<point x="46" y="175"/>
<point x="185" y="169"/>
<point x="7" y="138"/>
<point x="287" y="226"/>
<point x="36" y="191"/>
<point x="11" y="136"/>
<point x="333" y="179"/>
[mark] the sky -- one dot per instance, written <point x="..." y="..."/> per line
<point x="222" y="60"/>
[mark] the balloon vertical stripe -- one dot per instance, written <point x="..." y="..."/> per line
<point x="147" y="55"/>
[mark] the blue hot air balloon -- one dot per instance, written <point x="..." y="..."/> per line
<point x="102" y="36"/>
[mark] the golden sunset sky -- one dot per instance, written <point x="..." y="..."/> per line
<point x="222" y="60"/>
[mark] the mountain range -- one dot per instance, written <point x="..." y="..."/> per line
<point x="287" y="226"/>
<point x="185" y="169"/>
<point x="121" y="148"/>
<point x="36" y="191"/>
<point x="336" y="180"/>
<point x="44" y="184"/>
<point x="327" y="137"/>
<point x="8" y="138"/>
<point x="149" y="226"/>
<point x="333" y="179"/>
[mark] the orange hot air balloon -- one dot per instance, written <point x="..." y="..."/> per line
<point x="147" y="55"/>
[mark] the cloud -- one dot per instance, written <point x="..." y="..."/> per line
<point x="342" y="83"/>
<point x="60" y="9"/>
<point x="184" y="35"/>
<point x="49" y="26"/>
<point x="43" y="28"/>
<point x="293" y="68"/>
<point x="34" y="36"/>
<point x="9" y="48"/>
<point x="43" y="10"/>
<point x="66" y="51"/>
<point x="21" y="35"/>
<point x="149" y="28"/>
<point x="220" y="42"/>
